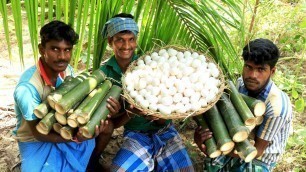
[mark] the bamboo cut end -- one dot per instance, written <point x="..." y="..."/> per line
<point x="260" y="109"/>
<point x="51" y="101"/>
<point x="60" y="109"/>
<point x="228" y="151"/>
<point x="38" y="113"/>
<point x="72" y="123"/>
<point x="85" y="132"/>
<point x="65" y="134"/>
<point x="215" y="154"/>
<point x="240" y="136"/>
<point x="57" y="127"/>
<point x="81" y="120"/>
<point x="259" y="120"/>
<point x="250" y="121"/>
<point x="61" y="118"/>
<point x="227" y="146"/>
<point x="251" y="156"/>
<point x="42" y="129"/>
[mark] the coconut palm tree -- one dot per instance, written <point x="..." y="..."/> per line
<point x="196" y="24"/>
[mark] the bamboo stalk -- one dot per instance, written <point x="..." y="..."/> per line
<point x="256" y="106"/>
<point x="61" y="118"/>
<point x="67" y="132"/>
<point x="45" y="125"/>
<point x="65" y="87"/>
<point x="216" y="123"/>
<point x="212" y="149"/>
<point x="79" y="92"/>
<point x="246" y="150"/>
<point x="72" y="118"/>
<point x="42" y="109"/>
<point x="56" y="127"/>
<point x="259" y="120"/>
<point x="89" y="109"/>
<point x="236" y="128"/>
<point x="240" y="105"/>
<point x="100" y="113"/>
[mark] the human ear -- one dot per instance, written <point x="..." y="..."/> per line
<point x="41" y="50"/>
<point x="273" y="70"/>
<point x="109" y="41"/>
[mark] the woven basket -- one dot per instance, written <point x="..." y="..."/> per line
<point x="174" y="115"/>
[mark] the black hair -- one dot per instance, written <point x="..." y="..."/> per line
<point x="124" y="15"/>
<point x="57" y="30"/>
<point x="261" y="51"/>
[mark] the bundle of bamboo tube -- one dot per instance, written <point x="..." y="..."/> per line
<point x="231" y="120"/>
<point x="79" y="103"/>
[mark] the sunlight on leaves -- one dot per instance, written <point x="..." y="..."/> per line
<point x="300" y="105"/>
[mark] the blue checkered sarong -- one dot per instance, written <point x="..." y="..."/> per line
<point x="118" y="24"/>
<point x="158" y="151"/>
<point x="230" y="164"/>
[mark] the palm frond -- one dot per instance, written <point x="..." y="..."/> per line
<point x="3" y="11"/>
<point x="32" y="13"/>
<point x="16" y="9"/>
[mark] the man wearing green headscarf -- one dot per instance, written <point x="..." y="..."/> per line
<point x="149" y="144"/>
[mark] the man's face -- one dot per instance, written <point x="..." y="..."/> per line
<point x="255" y="76"/>
<point x="56" y="55"/>
<point x="123" y="44"/>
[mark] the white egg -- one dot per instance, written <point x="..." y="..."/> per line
<point x="185" y="100"/>
<point x="153" y="107"/>
<point x="133" y="94"/>
<point x="203" y="102"/>
<point x="194" y="55"/>
<point x="162" y="51"/>
<point x="139" y="98"/>
<point x="172" y="90"/>
<point x="187" y="54"/>
<point x="211" y="65"/>
<point x="153" y="100"/>
<point x="195" y="106"/>
<point x="215" y="72"/>
<point x="181" y="108"/>
<point x="142" y="83"/>
<point x="140" y="62"/>
<point x="193" y="77"/>
<point x="180" y="86"/>
<point x="155" y="91"/>
<point x="143" y="92"/>
<point x="195" y="98"/>
<point x="188" y="92"/>
<point x="177" y="97"/>
<point x="180" y="55"/>
<point x="204" y="93"/>
<point x="165" y="55"/>
<point x="147" y="57"/>
<point x="196" y="63"/>
<point x="144" y="103"/>
<point x="164" y="110"/>
<point x="202" y="58"/>
<point x="188" y="107"/>
<point x="130" y="88"/>
<point x="172" y="52"/>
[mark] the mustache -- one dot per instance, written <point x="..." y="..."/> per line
<point x="251" y="80"/>
<point x="126" y="48"/>
<point x="61" y="61"/>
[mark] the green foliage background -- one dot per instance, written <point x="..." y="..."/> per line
<point x="218" y="28"/>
